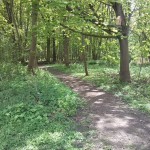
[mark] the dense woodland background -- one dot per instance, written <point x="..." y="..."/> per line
<point x="72" y="31"/>
<point x="106" y="40"/>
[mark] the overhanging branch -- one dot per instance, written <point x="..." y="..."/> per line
<point x="87" y="34"/>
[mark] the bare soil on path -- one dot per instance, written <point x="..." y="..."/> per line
<point x="117" y="126"/>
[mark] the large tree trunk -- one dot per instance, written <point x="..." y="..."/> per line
<point x="66" y="50"/>
<point x="123" y="41"/>
<point x="32" y="57"/>
<point x="124" y="60"/>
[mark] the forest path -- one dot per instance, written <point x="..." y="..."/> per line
<point x="117" y="126"/>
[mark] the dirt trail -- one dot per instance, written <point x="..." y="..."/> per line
<point x="117" y="126"/>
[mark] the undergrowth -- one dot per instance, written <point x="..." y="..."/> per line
<point x="36" y="111"/>
<point x="136" y="93"/>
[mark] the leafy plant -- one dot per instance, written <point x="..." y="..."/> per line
<point x="35" y="111"/>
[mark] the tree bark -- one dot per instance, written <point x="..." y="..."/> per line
<point x="32" y="56"/>
<point x="123" y="41"/>
<point x="66" y="49"/>
<point x="85" y="63"/>
<point x="84" y="47"/>
<point x="9" y="10"/>
<point x="124" y="60"/>
<point x="54" y="50"/>
<point x="94" y="53"/>
<point x="48" y="50"/>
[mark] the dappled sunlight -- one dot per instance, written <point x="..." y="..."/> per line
<point x="115" y="124"/>
<point x="74" y="75"/>
<point x="135" y="93"/>
<point x="53" y="140"/>
<point x="28" y="147"/>
<point x="98" y="102"/>
<point x="94" y="94"/>
<point x="46" y="139"/>
<point x="109" y="120"/>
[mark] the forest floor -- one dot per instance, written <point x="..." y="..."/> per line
<point x="115" y="125"/>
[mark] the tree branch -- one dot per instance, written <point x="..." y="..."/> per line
<point x="87" y="34"/>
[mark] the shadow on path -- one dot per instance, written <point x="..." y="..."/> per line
<point x="116" y="125"/>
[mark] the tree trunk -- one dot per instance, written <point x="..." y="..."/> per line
<point x="85" y="63"/>
<point x="84" y="47"/>
<point x="94" y="53"/>
<point x="48" y="50"/>
<point x="54" y="50"/>
<point x="9" y="10"/>
<point x="66" y="50"/>
<point x="123" y="41"/>
<point x="149" y="57"/>
<point x="124" y="60"/>
<point x="32" y="56"/>
<point x="60" y="52"/>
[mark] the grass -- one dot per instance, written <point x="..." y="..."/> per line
<point x="36" y="111"/>
<point x="136" y="93"/>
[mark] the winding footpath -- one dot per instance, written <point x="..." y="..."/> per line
<point x="117" y="126"/>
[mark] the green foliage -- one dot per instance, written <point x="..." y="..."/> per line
<point x="9" y="71"/>
<point x="35" y="111"/>
<point x="136" y="93"/>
